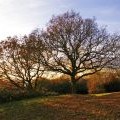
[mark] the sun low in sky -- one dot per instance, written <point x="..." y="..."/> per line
<point x="19" y="17"/>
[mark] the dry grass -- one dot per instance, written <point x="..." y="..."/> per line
<point x="65" y="107"/>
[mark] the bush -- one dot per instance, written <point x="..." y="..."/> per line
<point x="44" y="85"/>
<point x="99" y="88"/>
<point x="5" y="95"/>
<point x="81" y="87"/>
<point x="112" y="86"/>
<point x="96" y="81"/>
<point x="61" y="87"/>
<point x="10" y="95"/>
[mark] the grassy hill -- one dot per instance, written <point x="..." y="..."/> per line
<point x="65" y="107"/>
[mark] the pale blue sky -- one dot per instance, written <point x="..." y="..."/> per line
<point x="19" y="17"/>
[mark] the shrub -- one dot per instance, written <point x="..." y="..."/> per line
<point x="81" y="87"/>
<point x="5" y="95"/>
<point x="10" y="95"/>
<point x="61" y="87"/>
<point x="112" y="86"/>
<point x="99" y="88"/>
<point x="44" y="85"/>
<point x="98" y="82"/>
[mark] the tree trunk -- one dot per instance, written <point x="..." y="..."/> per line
<point x="29" y="86"/>
<point x="73" y="85"/>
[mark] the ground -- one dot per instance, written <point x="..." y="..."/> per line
<point x="64" y="107"/>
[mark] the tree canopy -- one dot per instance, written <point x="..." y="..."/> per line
<point x="70" y="45"/>
<point x="20" y="60"/>
<point x="77" y="46"/>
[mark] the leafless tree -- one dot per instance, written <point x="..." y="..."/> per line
<point x="20" y="60"/>
<point x="77" y="47"/>
<point x="116" y="62"/>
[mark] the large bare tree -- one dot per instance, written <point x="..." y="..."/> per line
<point x="77" y="47"/>
<point x="20" y="60"/>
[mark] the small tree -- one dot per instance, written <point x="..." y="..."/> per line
<point x="20" y="60"/>
<point x="77" y="47"/>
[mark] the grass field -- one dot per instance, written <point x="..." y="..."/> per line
<point x="65" y="107"/>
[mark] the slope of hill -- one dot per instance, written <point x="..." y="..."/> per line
<point x="65" y="107"/>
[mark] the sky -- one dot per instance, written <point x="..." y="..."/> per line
<point x="20" y="17"/>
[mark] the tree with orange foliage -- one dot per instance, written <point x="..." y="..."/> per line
<point x="20" y="60"/>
